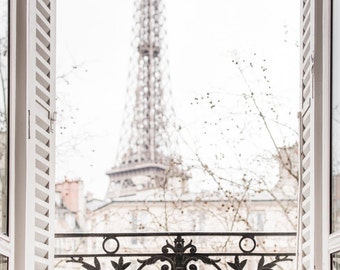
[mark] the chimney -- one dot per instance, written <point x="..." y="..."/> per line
<point x="72" y="194"/>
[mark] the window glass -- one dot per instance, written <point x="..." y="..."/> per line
<point x="3" y="262"/>
<point x="335" y="157"/>
<point x="335" y="112"/>
<point x="4" y="88"/>
<point x="335" y="261"/>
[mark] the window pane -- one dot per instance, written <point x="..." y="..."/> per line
<point x="336" y="261"/>
<point x="335" y="160"/>
<point x="4" y="86"/>
<point x="3" y="262"/>
<point x="211" y="114"/>
<point x="335" y="121"/>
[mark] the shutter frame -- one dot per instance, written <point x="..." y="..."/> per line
<point x="310" y="199"/>
<point x="35" y="141"/>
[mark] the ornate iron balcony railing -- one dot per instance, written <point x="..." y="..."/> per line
<point x="176" y="250"/>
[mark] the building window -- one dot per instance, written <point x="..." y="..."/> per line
<point x="4" y="127"/>
<point x="256" y="220"/>
<point x="335" y="123"/>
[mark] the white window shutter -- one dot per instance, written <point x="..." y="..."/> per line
<point x="306" y="222"/>
<point x="41" y="139"/>
<point x="35" y="217"/>
<point x="309" y="251"/>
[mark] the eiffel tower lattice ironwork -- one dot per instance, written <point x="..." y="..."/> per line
<point x="145" y="157"/>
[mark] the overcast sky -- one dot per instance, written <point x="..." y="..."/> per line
<point x="204" y="36"/>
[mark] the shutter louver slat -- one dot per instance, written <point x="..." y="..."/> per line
<point x="40" y="135"/>
<point x="46" y="4"/>
<point x="43" y="66"/>
<point x="305" y="106"/>
<point x="46" y="91"/>
<point x="42" y="208"/>
<point x="306" y="10"/>
<point x="42" y="149"/>
<point x="42" y="19"/>
<point x="306" y="176"/>
<point x="41" y="179"/>
<point x="42" y="165"/>
<point x="306" y="219"/>
<point x="306" y="148"/>
<point x="306" y="262"/>
<point x="41" y="121"/>
<point x="43" y="51"/>
<point x="306" y="190"/>
<point x="42" y="96"/>
<point x="42" y="193"/>
<point x="306" y="249"/>
<point x="305" y="165"/>
<point x="43" y="82"/>
<point x="306" y="237"/>
<point x="41" y="245"/>
<point x="43" y="38"/>
<point x="307" y="86"/>
<point x="306" y="137"/>
<point x="43" y="102"/>
<point x="43" y="35"/>
<point x="42" y="77"/>
<point x="40" y="263"/>
<point x="306" y="203"/>
<point x="41" y="236"/>
<point x="40" y="252"/>
<point x="308" y="62"/>
<point x="42" y="222"/>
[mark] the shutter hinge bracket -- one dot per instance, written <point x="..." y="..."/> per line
<point x="312" y="74"/>
<point x="53" y="120"/>
<point x="29" y="124"/>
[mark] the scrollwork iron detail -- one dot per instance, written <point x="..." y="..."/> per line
<point x="237" y="265"/>
<point x="86" y="265"/>
<point x="181" y="257"/>
<point x="272" y="264"/>
<point x="116" y="266"/>
<point x="120" y="265"/>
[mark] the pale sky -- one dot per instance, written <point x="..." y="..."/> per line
<point x="203" y="38"/>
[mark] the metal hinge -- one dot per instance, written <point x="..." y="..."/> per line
<point x="312" y="59"/>
<point x="53" y="120"/>
<point x="29" y="124"/>
<point x="299" y="116"/>
<point x="312" y="71"/>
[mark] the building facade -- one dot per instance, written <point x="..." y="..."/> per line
<point x="174" y="209"/>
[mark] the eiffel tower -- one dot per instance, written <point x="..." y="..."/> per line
<point x="145" y="158"/>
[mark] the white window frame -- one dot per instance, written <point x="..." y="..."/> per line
<point x="7" y="241"/>
<point x="331" y="241"/>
